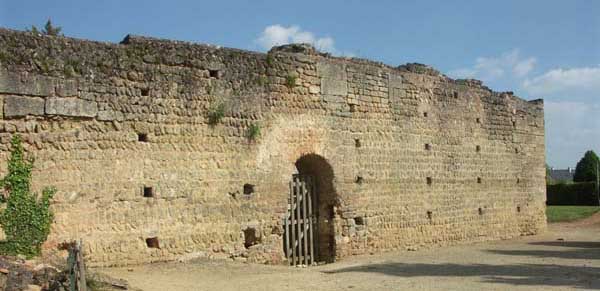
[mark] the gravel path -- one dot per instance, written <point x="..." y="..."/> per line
<point x="566" y="257"/>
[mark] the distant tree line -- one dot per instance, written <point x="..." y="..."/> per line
<point x="583" y="190"/>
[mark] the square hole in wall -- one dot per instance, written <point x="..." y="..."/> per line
<point x="248" y="189"/>
<point x="478" y="148"/>
<point x="478" y="120"/>
<point x="425" y="114"/>
<point x="251" y="237"/>
<point x="478" y="180"/>
<point x="480" y="211"/>
<point x="455" y="94"/>
<point x="357" y="142"/>
<point x="145" y="91"/>
<point x="152" y="242"/>
<point x="427" y="147"/>
<point x="214" y="73"/>
<point x="142" y="137"/>
<point x="352" y="107"/>
<point x="429" y="181"/>
<point x="429" y="214"/>
<point x="518" y="208"/>
<point x="359" y="220"/>
<point x="148" y="192"/>
<point x="514" y="123"/>
<point x="359" y="180"/>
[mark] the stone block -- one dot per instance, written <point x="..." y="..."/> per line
<point x="12" y="83"/>
<point x="333" y="79"/>
<point x="17" y="106"/>
<point x="71" y="107"/>
<point x="334" y="87"/>
<point x="110" y="115"/>
<point x="66" y="88"/>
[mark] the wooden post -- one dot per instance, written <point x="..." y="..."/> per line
<point x="82" y="282"/>
<point x="598" y="182"/>
<point x="293" y="226"/>
<point x="71" y="262"/>
<point x="286" y="222"/>
<point x="298" y="217"/>
<point x="310" y="222"/>
<point x="305" y="220"/>
<point x="316" y="222"/>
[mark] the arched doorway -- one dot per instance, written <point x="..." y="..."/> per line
<point x="309" y="235"/>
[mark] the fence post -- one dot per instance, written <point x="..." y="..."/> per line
<point x="71" y="263"/>
<point x="598" y="182"/>
<point x="82" y="282"/>
<point x="76" y="267"/>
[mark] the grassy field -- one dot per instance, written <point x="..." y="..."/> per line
<point x="569" y="213"/>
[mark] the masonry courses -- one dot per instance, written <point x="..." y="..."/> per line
<point x="168" y="150"/>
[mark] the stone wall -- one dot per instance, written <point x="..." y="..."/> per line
<point x="418" y="159"/>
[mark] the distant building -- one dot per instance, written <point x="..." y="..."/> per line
<point x="565" y="175"/>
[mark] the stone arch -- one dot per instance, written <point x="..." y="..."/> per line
<point x="327" y="201"/>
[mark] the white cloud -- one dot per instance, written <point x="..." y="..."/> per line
<point x="277" y="35"/>
<point x="583" y="81"/>
<point x="571" y="129"/>
<point x="492" y="68"/>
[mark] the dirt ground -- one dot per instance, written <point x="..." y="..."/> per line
<point x="566" y="257"/>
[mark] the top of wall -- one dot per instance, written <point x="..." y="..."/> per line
<point x="93" y="61"/>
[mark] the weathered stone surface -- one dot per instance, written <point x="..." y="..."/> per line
<point x="66" y="88"/>
<point x="18" y="106"/>
<point x="12" y="83"/>
<point x="333" y="79"/>
<point x="71" y="107"/>
<point x="110" y="115"/>
<point x="147" y="126"/>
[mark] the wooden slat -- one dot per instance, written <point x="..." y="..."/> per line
<point x="287" y="225"/>
<point x="316" y="222"/>
<point x="298" y="215"/>
<point x="304" y="221"/>
<point x="82" y="282"/>
<point x="293" y="231"/>
<point x="310" y="221"/>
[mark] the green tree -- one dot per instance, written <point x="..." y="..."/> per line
<point x="586" y="168"/>
<point x="27" y="218"/>
<point x="50" y="29"/>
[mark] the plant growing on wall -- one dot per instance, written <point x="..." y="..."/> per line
<point x="27" y="218"/>
<point x="216" y="113"/>
<point x="48" y="29"/>
<point x="253" y="131"/>
<point x="290" y="81"/>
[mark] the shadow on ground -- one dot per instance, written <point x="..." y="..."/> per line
<point x="578" y="250"/>
<point x="569" y="244"/>
<point x="522" y="274"/>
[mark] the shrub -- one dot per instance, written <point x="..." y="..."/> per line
<point x="26" y="219"/>
<point x="216" y="113"/>
<point x="572" y="194"/>
<point x="48" y="29"/>
<point x="290" y="81"/>
<point x="270" y="60"/>
<point x="253" y="132"/>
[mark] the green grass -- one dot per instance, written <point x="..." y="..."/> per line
<point x="569" y="213"/>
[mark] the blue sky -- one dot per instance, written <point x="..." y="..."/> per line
<point x="538" y="49"/>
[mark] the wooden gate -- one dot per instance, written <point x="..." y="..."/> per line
<point x="300" y="221"/>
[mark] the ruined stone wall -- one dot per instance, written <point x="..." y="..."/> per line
<point x="418" y="159"/>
